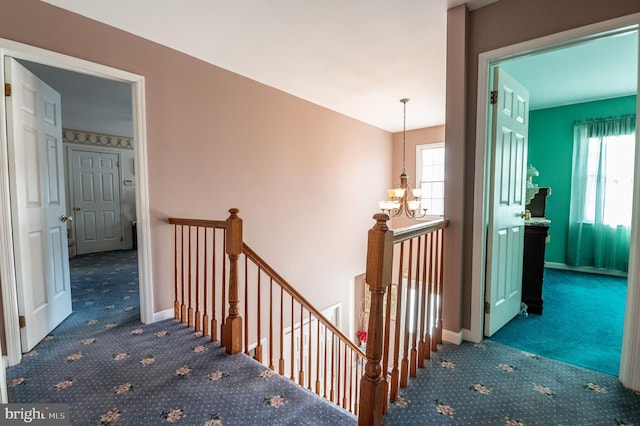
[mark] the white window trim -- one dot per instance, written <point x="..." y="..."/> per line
<point x="419" y="149"/>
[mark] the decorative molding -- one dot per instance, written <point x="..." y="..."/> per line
<point x="88" y="138"/>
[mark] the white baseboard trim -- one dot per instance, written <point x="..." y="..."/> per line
<point x="587" y="269"/>
<point x="163" y="315"/>
<point x="454" y="337"/>
<point x="3" y="380"/>
<point x="468" y="336"/>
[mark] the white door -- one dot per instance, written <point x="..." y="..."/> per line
<point x="96" y="200"/>
<point x="38" y="208"/>
<point x="506" y="224"/>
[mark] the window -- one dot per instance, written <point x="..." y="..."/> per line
<point x="430" y="176"/>
<point x="599" y="228"/>
<point x="609" y="180"/>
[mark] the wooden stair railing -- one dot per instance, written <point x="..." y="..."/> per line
<point x="405" y="279"/>
<point x="274" y="323"/>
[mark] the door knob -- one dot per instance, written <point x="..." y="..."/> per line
<point x="526" y="215"/>
<point x="64" y="218"/>
<point x="77" y="209"/>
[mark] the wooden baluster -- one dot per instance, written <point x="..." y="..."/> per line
<point x="197" y="323"/>
<point x="395" y="372"/>
<point x="338" y="373"/>
<point x="281" y="360"/>
<point x="404" y="372"/>
<point x="293" y="332"/>
<point x="356" y="379"/>
<point x="431" y="305"/>
<point x="214" y="320"/>
<point x="258" y="356"/>
<point x="301" y="351"/>
<point x="440" y="281"/>
<point x="190" y="308"/>
<point x="351" y="370"/>
<point x="413" y="360"/>
<point x="318" y="357"/>
<point x="435" y="296"/>
<point x="378" y="276"/>
<point x="223" y="285"/>
<point x="424" y="297"/>
<point x="333" y="364"/>
<point x="271" y="366"/>
<point x="232" y="334"/>
<point x="309" y="351"/>
<point x="247" y="317"/>
<point x="324" y="368"/>
<point x="176" y="302"/>
<point x="205" y="317"/>
<point x="344" y="373"/>
<point x="183" y="310"/>
<point x="385" y="351"/>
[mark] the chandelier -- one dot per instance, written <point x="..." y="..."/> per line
<point x="403" y="198"/>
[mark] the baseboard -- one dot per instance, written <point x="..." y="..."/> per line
<point x="3" y="380"/>
<point x="163" y="315"/>
<point x="468" y="336"/>
<point x="586" y="269"/>
<point x="454" y="337"/>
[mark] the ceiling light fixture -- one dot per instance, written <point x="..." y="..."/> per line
<point x="400" y="200"/>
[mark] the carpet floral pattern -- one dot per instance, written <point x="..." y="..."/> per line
<point x="113" y="370"/>
<point x="492" y="384"/>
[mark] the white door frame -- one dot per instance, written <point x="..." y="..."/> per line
<point x="482" y="171"/>
<point x="7" y="266"/>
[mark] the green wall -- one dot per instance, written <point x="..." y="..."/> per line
<point x="551" y="152"/>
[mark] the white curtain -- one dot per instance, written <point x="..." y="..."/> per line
<point x="601" y="193"/>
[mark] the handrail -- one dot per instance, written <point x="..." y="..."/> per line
<point x="296" y="295"/>
<point x="198" y="222"/>
<point x="413" y="231"/>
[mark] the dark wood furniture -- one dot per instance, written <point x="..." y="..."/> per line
<point x="535" y="239"/>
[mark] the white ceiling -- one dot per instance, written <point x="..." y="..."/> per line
<point x="356" y="57"/>
<point x="89" y="103"/>
<point x="597" y="69"/>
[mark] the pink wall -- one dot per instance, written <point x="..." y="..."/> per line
<point x="306" y="179"/>
<point x="496" y="25"/>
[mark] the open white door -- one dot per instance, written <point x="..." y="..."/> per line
<point x="38" y="208"/>
<point x="96" y="198"/>
<point x="506" y="224"/>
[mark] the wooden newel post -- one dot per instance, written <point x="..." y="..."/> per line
<point x="378" y="276"/>
<point x="232" y="332"/>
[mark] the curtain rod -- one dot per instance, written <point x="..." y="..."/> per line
<point x="597" y="120"/>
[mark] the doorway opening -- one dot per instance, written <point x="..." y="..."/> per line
<point x="555" y="106"/>
<point x="483" y="172"/>
<point x="97" y="139"/>
<point x="135" y="86"/>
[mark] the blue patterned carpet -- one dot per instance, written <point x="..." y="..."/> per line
<point x="113" y="370"/>
<point x="492" y="384"/>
